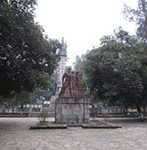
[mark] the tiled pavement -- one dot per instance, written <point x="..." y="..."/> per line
<point x="15" y="135"/>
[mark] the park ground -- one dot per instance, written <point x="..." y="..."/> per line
<point x="15" y="135"/>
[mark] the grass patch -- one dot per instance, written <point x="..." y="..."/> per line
<point x="42" y="122"/>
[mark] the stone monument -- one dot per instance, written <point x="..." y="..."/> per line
<point x="62" y="53"/>
<point x="71" y="107"/>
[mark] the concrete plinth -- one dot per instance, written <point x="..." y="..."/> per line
<point x="72" y="110"/>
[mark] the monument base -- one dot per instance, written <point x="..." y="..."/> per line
<point x="72" y="110"/>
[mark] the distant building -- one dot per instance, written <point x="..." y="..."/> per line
<point x="61" y="66"/>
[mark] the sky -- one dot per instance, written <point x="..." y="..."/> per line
<point x="82" y="22"/>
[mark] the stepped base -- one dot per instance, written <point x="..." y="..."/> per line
<point x="90" y="125"/>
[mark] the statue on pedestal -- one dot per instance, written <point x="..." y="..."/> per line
<point x="72" y="107"/>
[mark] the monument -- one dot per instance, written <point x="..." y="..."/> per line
<point x="71" y="107"/>
<point x="61" y="65"/>
<point x="62" y="53"/>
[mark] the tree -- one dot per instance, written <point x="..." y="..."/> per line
<point x="27" y="56"/>
<point x="114" y="70"/>
<point x="78" y="63"/>
<point x="139" y="16"/>
<point x="79" y="66"/>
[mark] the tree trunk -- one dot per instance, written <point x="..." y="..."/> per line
<point x="21" y="107"/>
<point x="94" y="110"/>
<point x="3" y="108"/>
<point x="140" y="116"/>
<point x="12" y="109"/>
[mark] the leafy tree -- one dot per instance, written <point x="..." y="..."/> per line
<point x="27" y="56"/>
<point x="79" y="66"/>
<point x="42" y="95"/>
<point x="114" y="70"/>
<point x="139" y="16"/>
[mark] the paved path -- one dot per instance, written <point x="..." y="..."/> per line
<point x="15" y="135"/>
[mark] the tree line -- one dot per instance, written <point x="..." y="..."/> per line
<point x="116" y="71"/>
<point x="27" y="56"/>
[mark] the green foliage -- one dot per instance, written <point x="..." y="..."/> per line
<point x="27" y="56"/>
<point x="23" y="98"/>
<point x="114" y="70"/>
<point x="79" y="66"/>
<point x="139" y="16"/>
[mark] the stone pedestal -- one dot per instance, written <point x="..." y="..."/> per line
<point x="72" y="110"/>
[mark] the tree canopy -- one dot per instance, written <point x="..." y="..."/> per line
<point x="114" y="71"/>
<point x="27" y="56"/>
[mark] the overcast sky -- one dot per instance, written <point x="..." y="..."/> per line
<point x="82" y="22"/>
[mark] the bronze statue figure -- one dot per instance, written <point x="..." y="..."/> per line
<point x="72" y="86"/>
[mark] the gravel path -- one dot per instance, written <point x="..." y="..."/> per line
<point x="15" y="135"/>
